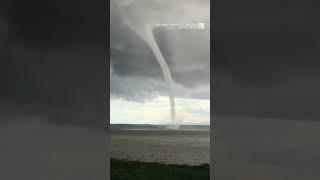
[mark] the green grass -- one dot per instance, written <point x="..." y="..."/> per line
<point x="134" y="170"/>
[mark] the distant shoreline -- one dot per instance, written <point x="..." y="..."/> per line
<point x="131" y="129"/>
<point x="156" y="127"/>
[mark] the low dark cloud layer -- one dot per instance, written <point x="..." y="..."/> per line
<point x="266" y="59"/>
<point x="186" y="51"/>
<point x="54" y="61"/>
<point x="265" y="66"/>
<point x="53" y="95"/>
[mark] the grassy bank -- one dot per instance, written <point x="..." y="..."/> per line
<point x="133" y="170"/>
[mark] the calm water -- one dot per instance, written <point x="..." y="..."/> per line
<point x="166" y="146"/>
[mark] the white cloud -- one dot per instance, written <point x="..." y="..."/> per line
<point x="156" y="111"/>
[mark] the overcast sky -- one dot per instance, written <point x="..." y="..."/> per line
<point x="266" y="59"/>
<point x="53" y="61"/>
<point x="53" y="75"/>
<point x="136" y="75"/>
<point x="266" y="70"/>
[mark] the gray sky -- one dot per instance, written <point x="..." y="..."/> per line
<point x="53" y="95"/>
<point x="266" y="59"/>
<point x="53" y="61"/>
<point x="136" y="72"/>
<point x="266" y="90"/>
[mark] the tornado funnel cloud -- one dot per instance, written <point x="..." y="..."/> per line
<point x="150" y="39"/>
<point x="146" y="34"/>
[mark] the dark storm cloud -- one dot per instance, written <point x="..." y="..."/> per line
<point x="266" y="66"/>
<point x="186" y="51"/>
<point x="266" y="59"/>
<point x="134" y="89"/>
<point x="53" y="60"/>
<point x="53" y="90"/>
<point x="52" y="23"/>
<point x="132" y="57"/>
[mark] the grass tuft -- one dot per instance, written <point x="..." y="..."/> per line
<point x="135" y="170"/>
